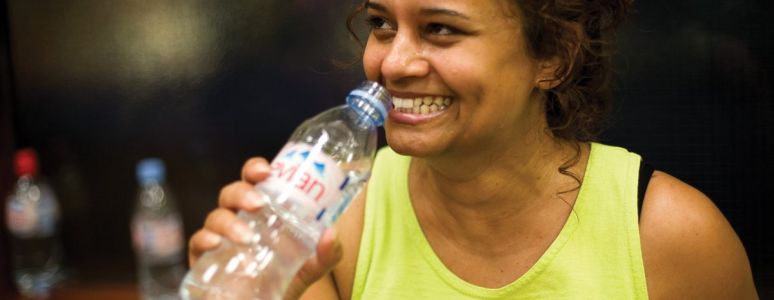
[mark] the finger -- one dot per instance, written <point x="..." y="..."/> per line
<point x="226" y="223"/>
<point x="329" y="251"/>
<point x="328" y="254"/>
<point x="202" y="241"/>
<point x="255" y="170"/>
<point x="240" y="195"/>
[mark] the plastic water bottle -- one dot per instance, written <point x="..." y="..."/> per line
<point x="32" y="216"/>
<point x="321" y="168"/>
<point x="157" y="234"/>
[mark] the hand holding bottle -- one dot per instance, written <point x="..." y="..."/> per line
<point x="223" y="222"/>
<point x="289" y="212"/>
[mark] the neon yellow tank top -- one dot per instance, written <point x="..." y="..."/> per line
<point x="596" y="255"/>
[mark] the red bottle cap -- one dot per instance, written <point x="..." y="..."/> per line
<point x="26" y="162"/>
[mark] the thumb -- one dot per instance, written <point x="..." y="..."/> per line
<point x="328" y="254"/>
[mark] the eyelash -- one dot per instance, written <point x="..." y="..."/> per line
<point x="377" y="23"/>
<point x="434" y="28"/>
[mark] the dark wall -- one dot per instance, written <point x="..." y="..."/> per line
<point x="202" y="84"/>
<point x="6" y="150"/>
<point x="694" y="97"/>
<point x="97" y="85"/>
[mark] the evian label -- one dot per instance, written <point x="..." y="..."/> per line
<point x="30" y="214"/>
<point x="21" y="218"/>
<point x="160" y="238"/>
<point x="306" y="179"/>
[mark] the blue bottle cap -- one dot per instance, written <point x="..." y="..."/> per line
<point x="150" y="169"/>
<point x="372" y="100"/>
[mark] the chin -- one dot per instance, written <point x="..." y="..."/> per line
<point x="411" y="146"/>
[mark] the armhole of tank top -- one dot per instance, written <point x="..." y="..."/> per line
<point x="646" y="171"/>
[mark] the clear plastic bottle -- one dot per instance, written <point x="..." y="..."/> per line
<point x="314" y="177"/>
<point x="32" y="217"/>
<point x="157" y="234"/>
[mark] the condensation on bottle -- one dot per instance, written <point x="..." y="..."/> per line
<point x="324" y="164"/>
<point x="32" y="218"/>
<point x="157" y="234"/>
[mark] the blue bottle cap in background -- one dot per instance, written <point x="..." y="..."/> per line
<point x="150" y="169"/>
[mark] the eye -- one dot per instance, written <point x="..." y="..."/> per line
<point x="378" y="23"/>
<point x="441" y="29"/>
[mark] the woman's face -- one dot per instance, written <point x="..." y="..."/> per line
<point x="459" y="73"/>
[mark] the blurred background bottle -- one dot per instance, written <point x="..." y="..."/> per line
<point x="32" y="217"/>
<point x="157" y="234"/>
<point x="324" y="164"/>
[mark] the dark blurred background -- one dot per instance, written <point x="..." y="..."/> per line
<point x="96" y="85"/>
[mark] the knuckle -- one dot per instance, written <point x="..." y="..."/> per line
<point x="226" y="194"/>
<point x="195" y="241"/>
<point x="216" y="219"/>
<point x="252" y="169"/>
<point x="307" y="277"/>
<point x="256" y="160"/>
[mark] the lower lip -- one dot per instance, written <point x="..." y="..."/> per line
<point x="412" y="119"/>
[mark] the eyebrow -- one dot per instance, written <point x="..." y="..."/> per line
<point x="431" y="11"/>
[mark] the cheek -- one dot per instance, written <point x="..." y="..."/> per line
<point x="372" y="61"/>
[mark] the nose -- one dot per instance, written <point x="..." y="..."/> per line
<point x="404" y="59"/>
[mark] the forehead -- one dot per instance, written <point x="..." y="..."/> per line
<point x="478" y="9"/>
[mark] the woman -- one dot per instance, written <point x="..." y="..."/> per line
<point x="493" y="189"/>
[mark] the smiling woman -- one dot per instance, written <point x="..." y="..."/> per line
<point x="493" y="186"/>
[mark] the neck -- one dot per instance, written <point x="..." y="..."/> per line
<point x="477" y="194"/>
<point x="504" y="173"/>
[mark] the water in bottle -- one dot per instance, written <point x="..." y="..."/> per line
<point x="322" y="167"/>
<point x="157" y="234"/>
<point x="32" y="216"/>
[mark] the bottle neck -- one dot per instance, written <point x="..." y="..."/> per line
<point x="364" y="122"/>
<point x="29" y="177"/>
<point x="151" y="182"/>
<point x="25" y="181"/>
<point x="153" y="195"/>
<point x="367" y="115"/>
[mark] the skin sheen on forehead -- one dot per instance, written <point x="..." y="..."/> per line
<point x="486" y="13"/>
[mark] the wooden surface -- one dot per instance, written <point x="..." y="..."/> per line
<point x="85" y="291"/>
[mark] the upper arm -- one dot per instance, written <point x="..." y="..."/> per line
<point x="689" y="249"/>
<point x="349" y="227"/>
<point x="323" y="289"/>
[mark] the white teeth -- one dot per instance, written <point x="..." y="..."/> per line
<point x="421" y="105"/>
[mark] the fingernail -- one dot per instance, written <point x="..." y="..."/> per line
<point x="254" y="199"/>
<point x="242" y="232"/>
<point x="214" y="239"/>
<point x="334" y="234"/>
<point x="262" y="168"/>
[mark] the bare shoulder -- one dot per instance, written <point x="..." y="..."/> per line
<point x="689" y="249"/>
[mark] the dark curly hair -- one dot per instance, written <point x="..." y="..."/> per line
<point x="581" y="33"/>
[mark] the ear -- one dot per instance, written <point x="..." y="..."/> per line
<point x="554" y="70"/>
<point x="547" y="77"/>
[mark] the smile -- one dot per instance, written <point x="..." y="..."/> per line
<point x="421" y="105"/>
